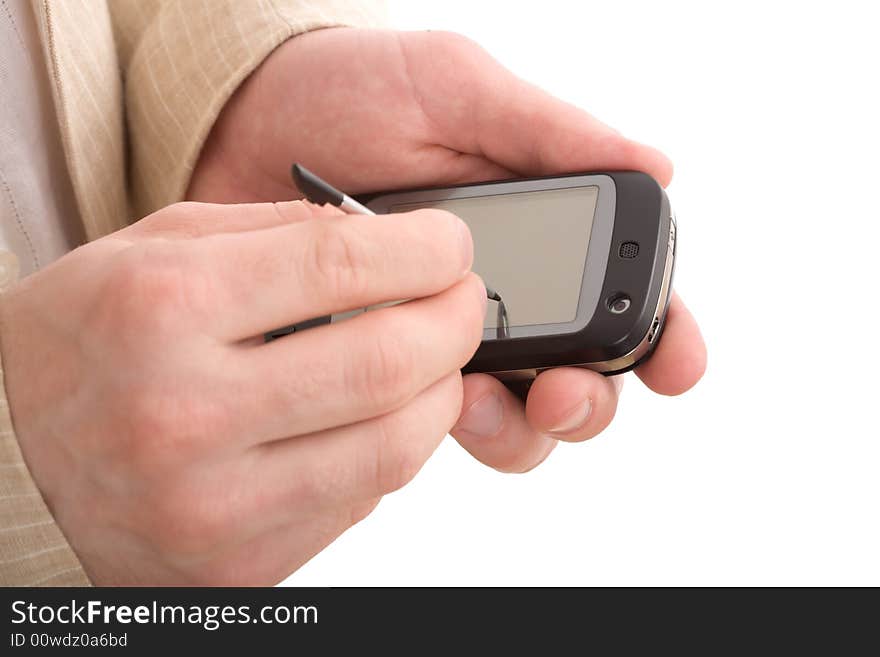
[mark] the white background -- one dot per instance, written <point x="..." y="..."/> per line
<point x="767" y="472"/>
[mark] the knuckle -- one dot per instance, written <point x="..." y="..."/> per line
<point x="146" y="291"/>
<point x="187" y="218"/>
<point x="462" y="53"/>
<point x="387" y="374"/>
<point x="141" y="281"/>
<point x="398" y="460"/>
<point x="164" y="430"/>
<point x="340" y="263"/>
<point x="179" y="211"/>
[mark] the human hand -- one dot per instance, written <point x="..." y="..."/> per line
<point x="378" y="110"/>
<point x="173" y="445"/>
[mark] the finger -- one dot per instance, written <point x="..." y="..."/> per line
<point x="263" y="280"/>
<point x="572" y="404"/>
<point x="190" y="220"/>
<point x="679" y="360"/>
<point x="357" y="462"/>
<point x="360" y="368"/>
<point x="484" y="109"/>
<point x="494" y="429"/>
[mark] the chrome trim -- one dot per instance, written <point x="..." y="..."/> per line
<point x="509" y="376"/>
<point x="351" y="206"/>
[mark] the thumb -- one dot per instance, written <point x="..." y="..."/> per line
<point x="484" y="109"/>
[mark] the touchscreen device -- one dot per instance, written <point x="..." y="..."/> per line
<point x="578" y="267"/>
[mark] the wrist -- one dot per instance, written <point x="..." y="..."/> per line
<point x="264" y="125"/>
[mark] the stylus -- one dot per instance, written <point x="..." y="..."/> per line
<point x="317" y="190"/>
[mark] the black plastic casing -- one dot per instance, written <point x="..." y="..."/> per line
<point x="641" y="215"/>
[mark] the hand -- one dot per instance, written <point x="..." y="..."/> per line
<point x="172" y="445"/>
<point x="377" y="110"/>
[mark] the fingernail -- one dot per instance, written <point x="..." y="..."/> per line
<point x="483" y="418"/>
<point x="575" y="418"/>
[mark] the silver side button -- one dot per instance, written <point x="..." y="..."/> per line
<point x="653" y="332"/>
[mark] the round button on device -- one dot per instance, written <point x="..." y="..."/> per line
<point x="619" y="303"/>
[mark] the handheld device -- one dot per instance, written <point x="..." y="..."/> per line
<point x="580" y="266"/>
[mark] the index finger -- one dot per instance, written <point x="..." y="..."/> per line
<point x="265" y="279"/>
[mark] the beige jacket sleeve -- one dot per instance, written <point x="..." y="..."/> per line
<point x="179" y="61"/>
<point x="182" y="59"/>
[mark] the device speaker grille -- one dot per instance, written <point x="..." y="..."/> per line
<point x="629" y="250"/>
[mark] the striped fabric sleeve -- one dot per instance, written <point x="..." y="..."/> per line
<point x="183" y="59"/>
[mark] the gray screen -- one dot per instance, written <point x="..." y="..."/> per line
<point x="531" y="247"/>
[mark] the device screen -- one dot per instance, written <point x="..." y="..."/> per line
<point x="531" y="247"/>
